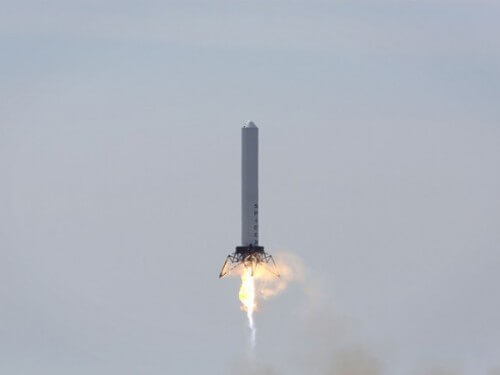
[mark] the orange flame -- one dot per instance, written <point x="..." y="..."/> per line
<point x="247" y="297"/>
<point x="247" y="290"/>
<point x="258" y="282"/>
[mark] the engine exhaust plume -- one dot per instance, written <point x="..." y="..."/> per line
<point x="258" y="282"/>
<point x="247" y="298"/>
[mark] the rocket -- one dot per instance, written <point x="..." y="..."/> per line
<point x="250" y="253"/>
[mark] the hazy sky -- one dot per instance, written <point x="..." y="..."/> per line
<point x="120" y="190"/>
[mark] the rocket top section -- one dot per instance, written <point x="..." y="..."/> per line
<point x="249" y="185"/>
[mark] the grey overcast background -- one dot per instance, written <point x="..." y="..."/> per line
<point x="120" y="185"/>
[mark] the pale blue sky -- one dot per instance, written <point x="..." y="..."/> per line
<point x="119" y="157"/>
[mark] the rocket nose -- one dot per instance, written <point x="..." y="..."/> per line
<point x="250" y="124"/>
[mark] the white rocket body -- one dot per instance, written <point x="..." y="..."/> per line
<point x="250" y="185"/>
<point x="249" y="254"/>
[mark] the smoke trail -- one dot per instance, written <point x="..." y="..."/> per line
<point x="290" y="269"/>
<point x="326" y="342"/>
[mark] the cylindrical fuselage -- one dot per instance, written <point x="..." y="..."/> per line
<point x="250" y="185"/>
